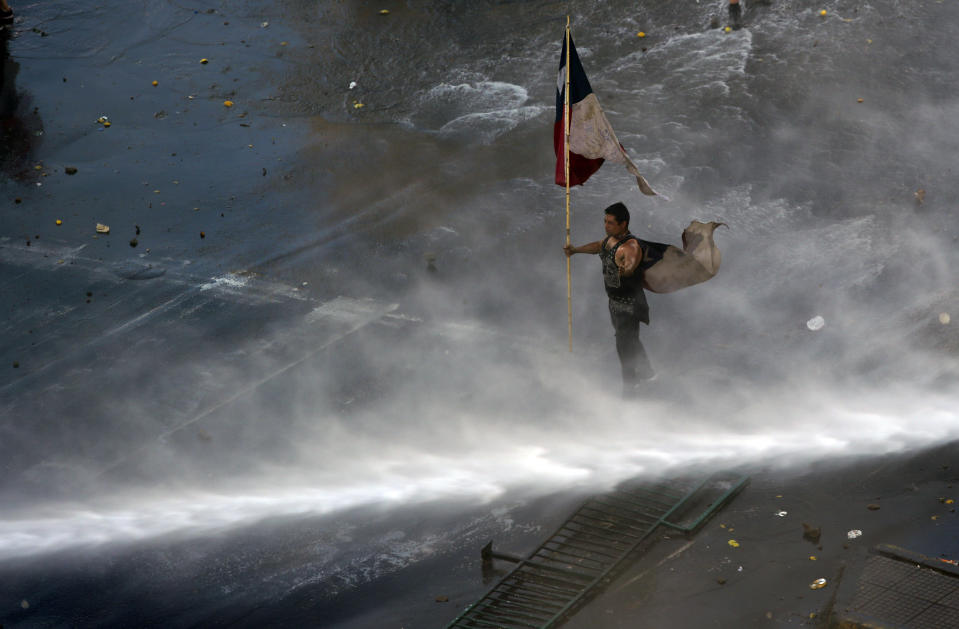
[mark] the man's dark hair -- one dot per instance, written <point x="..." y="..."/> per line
<point x="619" y="212"/>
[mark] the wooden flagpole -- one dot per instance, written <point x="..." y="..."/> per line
<point x="566" y="116"/>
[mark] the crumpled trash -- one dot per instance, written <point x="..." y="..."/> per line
<point x="811" y="533"/>
<point x="103" y="229"/>
<point x="733" y="543"/>
<point x="853" y="534"/>
<point x="352" y="84"/>
<point x="816" y="323"/>
<point x="944" y="318"/>
<point x="818" y="584"/>
<point x="781" y="514"/>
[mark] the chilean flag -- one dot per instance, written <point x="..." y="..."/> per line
<point x="591" y="138"/>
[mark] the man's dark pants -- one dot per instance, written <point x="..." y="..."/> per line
<point x="626" y="317"/>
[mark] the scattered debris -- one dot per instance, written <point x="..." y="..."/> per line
<point x="384" y="11"/>
<point x="228" y="103"/>
<point x="640" y="34"/>
<point x="920" y="195"/>
<point x="103" y="229"/>
<point x="812" y="557"/>
<point x="264" y="24"/>
<point x="944" y="318"/>
<point x="59" y="222"/>
<point x="358" y="105"/>
<point x="823" y="13"/>
<point x="853" y="534"/>
<point x="442" y="599"/>
<point x="859" y="100"/>
<point x="781" y="514"/>
<point x="70" y="170"/>
<point x="352" y="84"/>
<point x="816" y="323"/>
<point x="818" y="584"/>
<point x="872" y="506"/>
<point x="733" y="543"/>
<point x="103" y="120"/>
<point x="155" y="83"/>
<point x="951" y="562"/>
<point x="133" y="242"/>
<point x="810" y="533"/>
<point x="204" y="61"/>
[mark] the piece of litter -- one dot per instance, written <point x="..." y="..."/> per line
<point x="781" y="514"/>
<point x="640" y="34"/>
<point x="739" y="569"/>
<point x="816" y="323"/>
<point x="733" y="543"/>
<point x="872" y="506"/>
<point x="264" y="24"/>
<point x="853" y="534"/>
<point x="812" y="557"/>
<point x="155" y="83"/>
<point x="944" y="318"/>
<point x="384" y="11"/>
<point x="357" y="105"/>
<point x="818" y="584"/>
<point x="103" y="229"/>
<point x="352" y="84"/>
<point x="204" y="61"/>
<point x="24" y="604"/>
<point x="951" y="562"/>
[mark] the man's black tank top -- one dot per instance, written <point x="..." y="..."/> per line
<point x="627" y="289"/>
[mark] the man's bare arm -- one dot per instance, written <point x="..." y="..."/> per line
<point x="593" y="247"/>
<point x="628" y="257"/>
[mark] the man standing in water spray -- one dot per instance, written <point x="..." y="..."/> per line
<point x="623" y="257"/>
<point x="583" y="140"/>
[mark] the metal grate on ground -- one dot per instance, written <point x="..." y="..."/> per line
<point x="590" y="548"/>
<point x="903" y="588"/>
